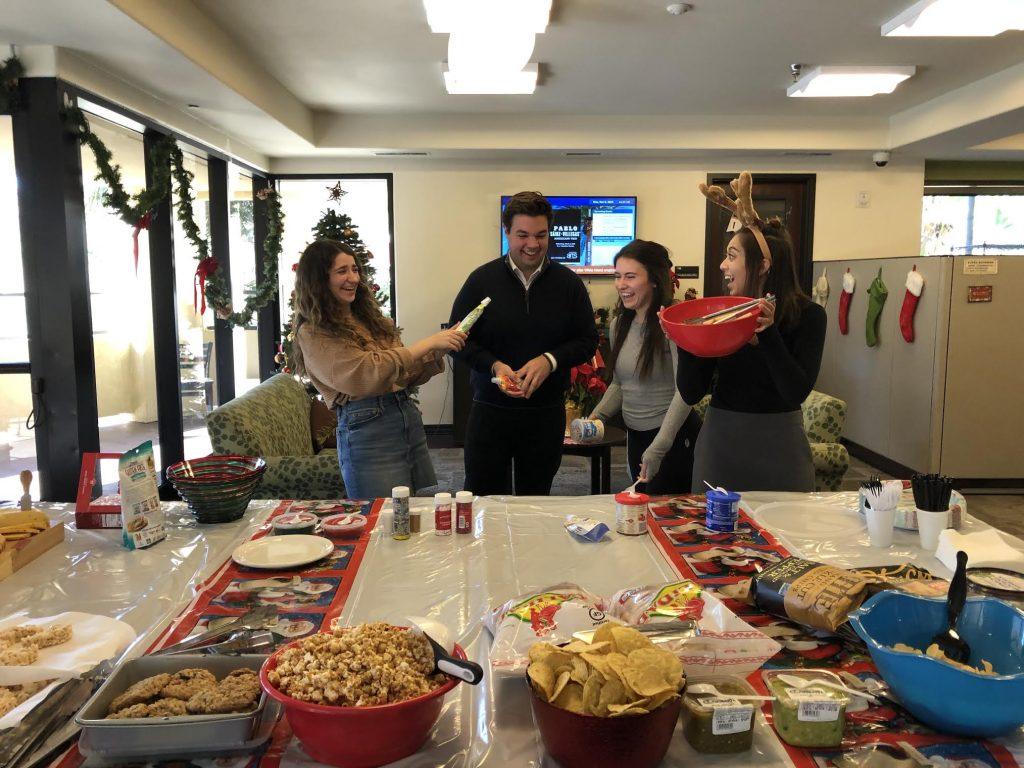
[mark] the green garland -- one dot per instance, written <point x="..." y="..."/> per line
<point x="11" y="71"/>
<point x="137" y="211"/>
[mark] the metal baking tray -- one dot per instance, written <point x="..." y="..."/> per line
<point x="109" y="738"/>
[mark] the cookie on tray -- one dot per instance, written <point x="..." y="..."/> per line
<point x="18" y="655"/>
<point x="220" y="701"/>
<point x="186" y="683"/>
<point x="135" y="710"/>
<point x="141" y="692"/>
<point x="166" y="708"/>
<point x="52" y="635"/>
<point x="242" y="680"/>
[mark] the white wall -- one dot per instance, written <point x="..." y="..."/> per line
<point x="446" y="220"/>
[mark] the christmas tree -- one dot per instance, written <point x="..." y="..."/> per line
<point x="339" y="227"/>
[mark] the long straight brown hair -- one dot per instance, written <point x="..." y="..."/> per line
<point x="781" y="279"/>
<point x="318" y="308"/>
<point x="654" y="258"/>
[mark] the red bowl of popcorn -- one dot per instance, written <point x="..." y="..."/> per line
<point x="709" y="340"/>
<point x="346" y="733"/>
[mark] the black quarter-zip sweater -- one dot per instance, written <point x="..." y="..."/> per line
<point x="554" y="316"/>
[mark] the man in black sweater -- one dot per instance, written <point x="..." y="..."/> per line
<point x="538" y="326"/>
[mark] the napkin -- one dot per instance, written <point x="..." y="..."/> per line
<point x="985" y="549"/>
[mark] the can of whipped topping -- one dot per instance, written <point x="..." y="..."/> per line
<point x="586" y="430"/>
<point x="631" y="513"/>
<point x="723" y="510"/>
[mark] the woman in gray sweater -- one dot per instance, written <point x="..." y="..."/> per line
<point x="661" y="428"/>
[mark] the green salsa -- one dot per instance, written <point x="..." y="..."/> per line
<point x="808" y="717"/>
<point x="715" y="726"/>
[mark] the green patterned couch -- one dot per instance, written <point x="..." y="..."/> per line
<point x="272" y="420"/>
<point x="824" y="419"/>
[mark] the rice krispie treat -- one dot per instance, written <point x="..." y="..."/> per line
<point x="18" y="655"/>
<point x="52" y="635"/>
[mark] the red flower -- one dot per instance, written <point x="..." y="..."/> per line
<point x="598" y="360"/>
<point x="573" y="374"/>
<point x="586" y="369"/>
<point x="295" y="267"/>
<point x="596" y="386"/>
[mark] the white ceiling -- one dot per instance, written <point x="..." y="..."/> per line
<point x="368" y="74"/>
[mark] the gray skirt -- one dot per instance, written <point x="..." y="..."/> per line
<point x="753" y="452"/>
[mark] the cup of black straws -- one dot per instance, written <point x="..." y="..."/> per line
<point x="931" y="502"/>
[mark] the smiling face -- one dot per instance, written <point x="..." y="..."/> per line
<point x="343" y="278"/>
<point x="633" y="284"/>
<point x="527" y="241"/>
<point x="734" y="267"/>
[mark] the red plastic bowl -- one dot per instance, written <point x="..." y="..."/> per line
<point x="360" y="737"/>
<point x="708" y="340"/>
<point x="588" y="741"/>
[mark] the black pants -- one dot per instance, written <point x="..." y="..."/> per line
<point x="676" y="471"/>
<point x="530" y="439"/>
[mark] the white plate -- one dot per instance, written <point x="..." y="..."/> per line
<point x="279" y="552"/>
<point x="809" y="521"/>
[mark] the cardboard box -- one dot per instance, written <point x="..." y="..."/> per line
<point x="17" y="554"/>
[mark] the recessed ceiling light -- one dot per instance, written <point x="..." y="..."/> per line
<point x="829" y="81"/>
<point x="516" y="82"/>
<point x="445" y="16"/>
<point x="956" y="18"/>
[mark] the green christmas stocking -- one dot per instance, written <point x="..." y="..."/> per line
<point x="877" y="293"/>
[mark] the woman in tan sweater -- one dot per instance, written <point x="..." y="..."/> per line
<point x="354" y="356"/>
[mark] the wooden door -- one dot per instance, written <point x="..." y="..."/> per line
<point x="788" y="196"/>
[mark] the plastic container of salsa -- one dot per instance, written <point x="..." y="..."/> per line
<point x="717" y="726"/>
<point x="814" y="716"/>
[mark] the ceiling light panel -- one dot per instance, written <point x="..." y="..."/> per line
<point x="956" y="18"/>
<point x="839" y="82"/>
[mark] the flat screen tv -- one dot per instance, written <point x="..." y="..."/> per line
<point x="587" y="232"/>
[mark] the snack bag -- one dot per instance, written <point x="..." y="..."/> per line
<point x="640" y="605"/>
<point x="507" y="385"/>
<point x="551" y="615"/>
<point x="142" y="521"/>
<point x="585" y="528"/>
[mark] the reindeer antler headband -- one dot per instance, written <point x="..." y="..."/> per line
<point x="742" y="208"/>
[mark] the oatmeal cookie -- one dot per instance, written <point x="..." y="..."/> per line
<point x="135" y="710"/>
<point x="166" y="708"/>
<point x="18" y="655"/>
<point x="52" y="635"/>
<point x="186" y="683"/>
<point x="141" y="692"/>
<point x="243" y="681"/>
<point x="219" y="701"/>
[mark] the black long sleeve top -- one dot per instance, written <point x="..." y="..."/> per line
<point x="774" y="376"/>
<point x="555" y="315"/>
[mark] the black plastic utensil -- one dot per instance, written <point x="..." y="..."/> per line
<point x="949" y="642"/>
<point x="469" y="671"/>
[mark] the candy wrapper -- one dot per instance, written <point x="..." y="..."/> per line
<point x="551" y="615"/>
<point x="724" y="644"/>
<point x="586" y="528"/>
<point x="507" y="385"/>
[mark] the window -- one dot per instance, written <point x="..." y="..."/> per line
<point x="968" y="223"/>
<point x="242" y="245"/>
<point x="366" y="200"/>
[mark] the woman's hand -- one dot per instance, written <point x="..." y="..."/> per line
<point x="448" y="340"/>
<point x="767" y="315"/>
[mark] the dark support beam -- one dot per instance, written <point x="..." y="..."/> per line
<point x="48" y="164"/>
<point x="268" y="319"/>
<point x="223" y="341"/>
<point x="165" y="321"/>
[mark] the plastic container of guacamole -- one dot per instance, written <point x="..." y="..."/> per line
<point x="814" y="716"/>
<point x="717" y="726"/>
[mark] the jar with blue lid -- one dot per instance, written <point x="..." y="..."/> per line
<point x="723" y="510"/>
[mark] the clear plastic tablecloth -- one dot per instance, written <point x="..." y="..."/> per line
<point x="518" y="545"/>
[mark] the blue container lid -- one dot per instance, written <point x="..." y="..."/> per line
<point x="729" y="496"/>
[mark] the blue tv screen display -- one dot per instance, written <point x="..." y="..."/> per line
<point x="587" y="232"/>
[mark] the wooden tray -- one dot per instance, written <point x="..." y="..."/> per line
<point x="18" y="554"/>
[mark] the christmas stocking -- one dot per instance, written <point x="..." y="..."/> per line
<point x="877" y="293"/>
<point x="915" y="284"/>
<point x="819" y="291"/>
<point x="849" y="284"/>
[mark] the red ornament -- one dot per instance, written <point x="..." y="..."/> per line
<point x="295" y="267"/>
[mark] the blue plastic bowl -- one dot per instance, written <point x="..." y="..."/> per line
<point x="938" y="694"/>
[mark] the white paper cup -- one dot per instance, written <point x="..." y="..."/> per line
<point x="929" y="526"/>
<point x="880" y="525"/>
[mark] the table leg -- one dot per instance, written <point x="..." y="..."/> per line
<point x="595" y="473"/>
<point x="606" y="470"/>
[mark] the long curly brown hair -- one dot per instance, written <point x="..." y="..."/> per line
<point x="318" y="308"/>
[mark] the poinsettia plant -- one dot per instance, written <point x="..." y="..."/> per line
<point x="586" y="385"/>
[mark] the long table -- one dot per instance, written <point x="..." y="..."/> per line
<point x="518" y="546"/>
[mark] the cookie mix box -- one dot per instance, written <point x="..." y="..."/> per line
<point x="142" y="520"/>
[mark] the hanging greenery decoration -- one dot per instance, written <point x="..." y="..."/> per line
<point x="211" y="285"/>
<point x="11" y="71"/>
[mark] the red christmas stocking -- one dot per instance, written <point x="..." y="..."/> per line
<point x="915" y="284"/>
<point x="849" y="284"/>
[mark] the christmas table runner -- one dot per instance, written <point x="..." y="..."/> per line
<point x="715" y="560"/>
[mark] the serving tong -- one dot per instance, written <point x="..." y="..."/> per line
<point x="729" y="313"/>
<point x="248" y="625"/>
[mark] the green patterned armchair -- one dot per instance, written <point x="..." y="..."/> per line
<point x="272" y="420"/>
<point x="824" y="419"/>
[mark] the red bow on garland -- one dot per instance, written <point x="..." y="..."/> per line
<point x="143" y="223"/>
<point x="674" y="278"/>
<point x="206" y="268"/>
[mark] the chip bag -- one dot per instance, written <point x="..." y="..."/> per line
<point x="551" y="615"/>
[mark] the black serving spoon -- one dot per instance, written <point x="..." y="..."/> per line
<point x="949" y="642"/>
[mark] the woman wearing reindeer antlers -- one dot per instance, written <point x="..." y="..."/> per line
<point x="753" y="437"/>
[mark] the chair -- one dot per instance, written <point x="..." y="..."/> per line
<point x="824" y="419"/>
<point x="271" y="420"/>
